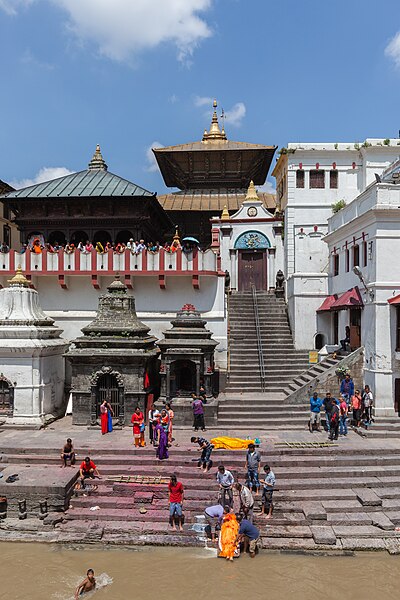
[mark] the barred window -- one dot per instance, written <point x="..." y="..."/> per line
<point x="335" y="265"/>
<point x="347" y="260"/>
<point x="356" y="255"/>
<point x="317" y="179"/>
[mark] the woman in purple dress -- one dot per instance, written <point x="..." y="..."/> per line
<point x="162" y="441"/>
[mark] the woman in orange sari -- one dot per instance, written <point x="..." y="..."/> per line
<point x="228" y="541"/>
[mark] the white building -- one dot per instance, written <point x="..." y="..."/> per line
<point x="366" y="234"/>
<point x="250" y="244"/>
<point x="310" y="178"/>
<point x="31" y="357"/>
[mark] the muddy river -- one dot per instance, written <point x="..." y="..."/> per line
<point x="33" y="572"/>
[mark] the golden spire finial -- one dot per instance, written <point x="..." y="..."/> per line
<point x="176" y="237"/>
<point x="225" y="214"/>
<point x="19" y="278"/>
<point x="251" y="192"/>
<point x="97" y="163"/>
<point x="215" y="133"/>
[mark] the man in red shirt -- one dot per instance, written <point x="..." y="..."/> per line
<point x="88" y="470"/>
<point x="175" y="489"/>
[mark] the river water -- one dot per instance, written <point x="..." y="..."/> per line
<point x="39" y="571"/>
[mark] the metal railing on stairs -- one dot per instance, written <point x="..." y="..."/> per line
<point x="259" y="342"/>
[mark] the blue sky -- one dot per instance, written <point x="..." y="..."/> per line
<point x="131" y="73"/>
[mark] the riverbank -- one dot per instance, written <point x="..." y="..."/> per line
<point x="337" y="498"/>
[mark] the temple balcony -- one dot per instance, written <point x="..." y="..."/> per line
<point x="159" y="264"/>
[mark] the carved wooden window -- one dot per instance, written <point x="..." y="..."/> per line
<point x="365" y="255"/>
<point x="317" y="179"/>
<point x="347" y="260"/>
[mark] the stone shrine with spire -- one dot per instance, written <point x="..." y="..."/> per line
<point x="113" y="360"/>
<point x="211" y="174"/>
<point x="31" y="356"/>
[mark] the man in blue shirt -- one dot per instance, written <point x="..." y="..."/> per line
<point x="249" y="535"/>
<point x="315" y="412"/>
<point x="347" y="387"/>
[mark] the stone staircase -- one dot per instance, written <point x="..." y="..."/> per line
<point x="282" y="362"/>
<point x="338" y="497"/>
<point x="306" y="378"/>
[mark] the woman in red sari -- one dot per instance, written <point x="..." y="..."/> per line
<point x="138" y="427"/>
<point x="104" y="417"/>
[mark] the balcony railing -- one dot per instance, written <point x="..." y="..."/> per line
<point x="159" y="264"/>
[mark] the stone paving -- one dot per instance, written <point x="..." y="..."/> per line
<point x="338" y="498"/>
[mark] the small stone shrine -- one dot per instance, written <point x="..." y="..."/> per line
<point x="187" y="356"/>
<point x="111" y="359"/>
<point x="31" y="357"/>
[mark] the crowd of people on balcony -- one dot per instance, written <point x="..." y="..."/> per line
<point x="37" y="244"/>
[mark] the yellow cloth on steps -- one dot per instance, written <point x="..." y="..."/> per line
<point x="228" y="443"/>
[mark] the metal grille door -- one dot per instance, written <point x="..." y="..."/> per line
<point x="107" y="389"/>
<point x="5" y="398"/>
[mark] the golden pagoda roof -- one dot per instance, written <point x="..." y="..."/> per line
<point x="212" y="200"/>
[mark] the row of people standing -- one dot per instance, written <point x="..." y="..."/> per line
<point x="337" y="410"/>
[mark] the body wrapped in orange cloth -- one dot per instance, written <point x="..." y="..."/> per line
<point x="228" y="537"/>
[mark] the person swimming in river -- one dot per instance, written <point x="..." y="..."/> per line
<point x="87" y="584"/>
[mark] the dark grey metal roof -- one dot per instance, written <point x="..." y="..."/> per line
<point x="82" y="184"/>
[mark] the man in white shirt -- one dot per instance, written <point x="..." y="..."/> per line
<point x="368" y="401"/>
<point x="225" y="480"/>
<point x="246" y="501"/>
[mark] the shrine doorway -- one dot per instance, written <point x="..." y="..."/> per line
<point x="185" y="377"/>
<point x="6" y="398"/>
<point x="252" y="248"/>
<point x="108" y="389"/>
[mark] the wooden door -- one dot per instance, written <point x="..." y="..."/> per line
<point x="252" y="270"/>
<point x="397" y="396"/>
<point x="355" y="328"/>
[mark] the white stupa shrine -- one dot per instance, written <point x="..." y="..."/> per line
<point x="32" y="372"/>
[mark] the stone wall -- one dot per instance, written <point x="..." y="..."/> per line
<point x="329" y="381"/>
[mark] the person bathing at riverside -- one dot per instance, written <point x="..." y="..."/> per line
<point x="87" y="585"/>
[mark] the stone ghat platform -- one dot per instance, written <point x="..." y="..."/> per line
<point x="338" y="499"/>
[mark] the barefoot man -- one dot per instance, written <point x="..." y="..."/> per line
<point x="269" y="484"/>
<point x="87" y="584"/>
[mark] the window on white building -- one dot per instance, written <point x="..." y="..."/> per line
<point x="347" y="260"/>
<point x="365" y="255"/>
<point x="356" y="255"/>
<point x="317" y="179"/>
<point x="397" y="328"/>
<point x="335" y="264"/>
<point x="300" y="179"/>
<point x="333" y="179"/>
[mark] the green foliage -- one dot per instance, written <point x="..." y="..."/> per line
<point x="336" y="146"/>
<point x="338" y="206"/>
<point x="386" y="142"/>
<point x="357" y="146"/>
<point x="366" y="145"/>
<point x="342" y="372"/>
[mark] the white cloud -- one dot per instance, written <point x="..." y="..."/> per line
<point x="122" y="29"/>
<point x="393" y="49"/>
<point x="152" y="165"/>
<point x="203" y="101"/>
<point x="267" y="187"/>
<point x="11" y="7"/>
<point x="236" y="114"/>
<point x="45" y="174"/>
